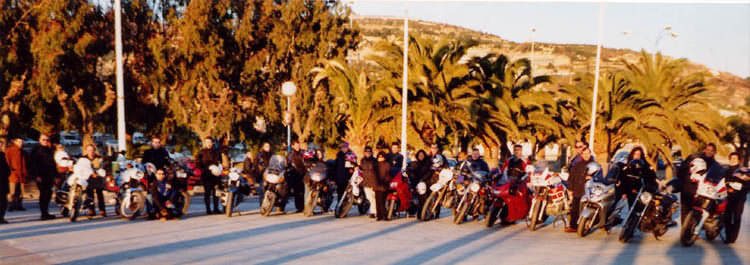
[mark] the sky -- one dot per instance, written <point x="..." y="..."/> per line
<point x="714" y="34"/>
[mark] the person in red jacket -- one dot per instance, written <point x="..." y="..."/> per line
<point x="4" y="174"/>
<point x="17" y="162"/>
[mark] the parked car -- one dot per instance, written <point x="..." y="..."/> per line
<point x="67" y="138"/>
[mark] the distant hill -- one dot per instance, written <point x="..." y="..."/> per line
<point x="558" y="60"/>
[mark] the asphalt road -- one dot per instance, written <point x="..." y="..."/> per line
<point x="323" y="239"/>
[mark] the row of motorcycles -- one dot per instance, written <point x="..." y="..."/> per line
<point x="131" y="186"/>
<point x="534" y="194"/>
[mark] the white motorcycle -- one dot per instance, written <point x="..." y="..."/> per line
<point x="232" y="191"/>
<point x="707" y="209"/>
<point x="550" y="197"/>
<point x="133" y="197"/>
<point x="353" y="195"/>
<point x="77" y="184"/>
<point x="275" y="188"/>
<point x="443" y="194"/>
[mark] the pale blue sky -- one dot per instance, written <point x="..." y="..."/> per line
<point x="717" y="35"/>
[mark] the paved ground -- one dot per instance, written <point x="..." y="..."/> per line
<point x="323" y="239"/>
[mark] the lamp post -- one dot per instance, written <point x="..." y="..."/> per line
<point x="288" y="89"/>
<point x="596" y="77"/>
<point x="119" y="80"/>
<point x="533" y="30"/>
<point x="666" y="30"/>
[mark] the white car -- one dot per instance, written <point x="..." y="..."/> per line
<point x="69" y="139"/>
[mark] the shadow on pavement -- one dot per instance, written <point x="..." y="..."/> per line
<point x="437" y="251"/>
<point x="680" y="256"/>
<point x="82" y="225"/>
<point x="727" y="254"/>
<point x="629" y="253"/>
<point x="126" y="255"/>
<point x="483" y="248"/>
<point x="310" y="252"/>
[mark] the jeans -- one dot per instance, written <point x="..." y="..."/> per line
<point x="370" y="195"/>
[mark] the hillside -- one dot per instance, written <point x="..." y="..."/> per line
<point x="559" y="60"/>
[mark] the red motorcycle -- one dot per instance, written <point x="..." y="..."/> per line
<point x="399" y="195"/>
<point x="509" y="202"/>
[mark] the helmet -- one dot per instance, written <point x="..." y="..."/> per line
<point x="307" y="155"/>
<point x="438" y="161"/>
<point x="215" y="170"/>
<point x="150" y="168"/>
<point x="351" y="157"/>
<point x="698" y="165"/>
<point x="593" y="169"/>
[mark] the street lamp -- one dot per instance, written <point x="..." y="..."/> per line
<point x="666" y="30"/>
<point x="533" y="30"/>
<point x="288" y="89"/>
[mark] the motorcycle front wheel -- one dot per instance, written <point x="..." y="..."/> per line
<point x="584" y="225"/>
<point x="131" y="206"/>
<point x="491" y="216"/>
<point x="229" y="203"/>
<point x="427" y="212"/>
<point x="310" y="205"/>
<point x="628" y="229"/>
<point x="535" y="210"/>
<point x="363" y="207"/>
<point x="391" y="210"/>
<point x="266" y="205"/>
<point x="183" y="203"/>
<point x="74" y="202"/>
<point x="687" y="233"/>
<point x="462" y="209"/>
<point x="344" y="205"/>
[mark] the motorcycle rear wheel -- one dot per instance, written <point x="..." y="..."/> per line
<point x="266" y="205"/>
<point x="391" y="210"/>
<point x="343" y="207"/>
<point x="427" y="213"/>
<point x="687" y="233"/>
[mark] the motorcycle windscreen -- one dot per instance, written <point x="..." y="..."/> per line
<point x="318" y="172"/>
<point x="277" y="162"/>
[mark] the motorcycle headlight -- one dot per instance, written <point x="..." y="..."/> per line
<point x="646" y="197"/>
<point x="474" y="187"/>
<point x="735" y="185"/>
<point x="394" y="185"/>
<point x="316" y="177"/>
<point x="495" y="192"/>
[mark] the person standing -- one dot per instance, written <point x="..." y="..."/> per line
<point x="157" y="155"/>
<point x="688" y="188"/>
<point x="395" y="158"/>
<point x="518" y="154"/>
<point x="205" y="159"/>
<point x="248" y="168"/>
<point x="96" y="182"/>
<point x="434" y="150"/>
<point x="4" y="174"/>
<point x="736" y="197"/>
<point x="381" y="188"/>
<point x="369" y="178"/>
<point x="577" y="182"/>
<point x="44" y="172"/>
<point x="341" y="170"/>
<point x="298" y="172"/>
<point x="17" y="163"/>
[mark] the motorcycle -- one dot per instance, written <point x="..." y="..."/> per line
<point x="443" y="193"/>
<point x="510" y="202"/>
<point x="399" y="196"/>
<point x="708" y="207"/>
<point x="550" y="195"/>
<point x="354" y="194"/>
<point x="232" y="190"/>
<point x="133" y="196"/>
<point x="474" y="198"/>
<point x="650" y="212"/>
<point x="76" y="186"/>
<point x="182" y="198"/>
<point x="596" y="205"/>
<point x="275" y="190"/>
<point x="321" y="193"/>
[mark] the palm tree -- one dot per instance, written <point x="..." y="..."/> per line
<point x="361" y="107"/>
<point x="684" y="116"/>
<point x="508" y="104"/>
<point x="439" y="92"/>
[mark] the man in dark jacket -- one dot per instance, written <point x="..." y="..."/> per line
<point x="298" y="172"/>
<point x="576" y="182"/>
<point x="157" y="155"/>
<point x="162" y="194"/>
<point x="44" y="171"/>
<point x="4" y="174"/>
<point x="687" y="187"/>
<point x="477" y="163"/>
<point x="367" y="168"/>
<point x="207" y="157"/>
<point x="384" y="178"/>
<point x="736" y="178"/>
<point x="342" y="172"/>
<point x="261" y="162"/>
<point x="395" y="158"/>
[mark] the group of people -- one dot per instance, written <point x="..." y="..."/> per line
<point x="377" y="171"/>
